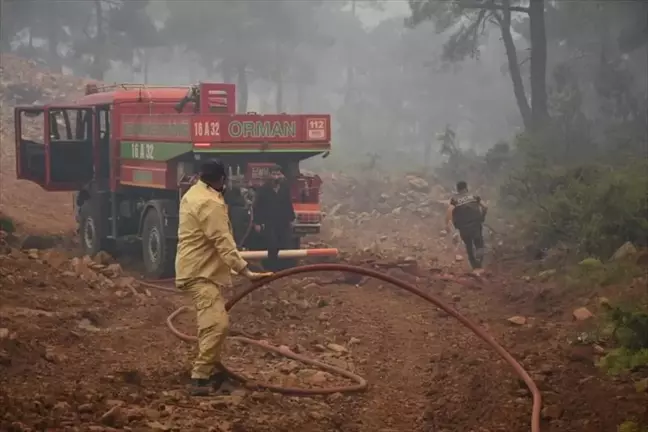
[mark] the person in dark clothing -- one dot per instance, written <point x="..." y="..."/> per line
<point x="238" y="213"/>
<point x="274" y="215"/>
<point x="467" y="213"/>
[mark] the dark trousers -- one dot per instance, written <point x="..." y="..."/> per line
<point x="276" y="237"/>
<point x="474" y="241"/>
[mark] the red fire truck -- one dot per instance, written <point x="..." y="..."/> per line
<point x="129" y="152"/>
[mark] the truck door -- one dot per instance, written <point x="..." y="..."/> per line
<point x="61" y="159"/>
<point x="30" y="144"/>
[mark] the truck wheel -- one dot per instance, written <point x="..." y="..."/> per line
<point x="91" y="230"/>
<point x="158" y="251"/>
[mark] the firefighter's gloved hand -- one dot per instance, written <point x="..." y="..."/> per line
<point x="254" y="276"/>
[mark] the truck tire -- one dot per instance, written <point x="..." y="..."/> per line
<point x="92" y="230"/>
<point x="158" y="252"/>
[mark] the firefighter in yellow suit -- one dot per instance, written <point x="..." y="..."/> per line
<point x="205" y="258"/>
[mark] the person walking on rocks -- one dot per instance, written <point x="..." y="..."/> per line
<point x="205" y="258"/>
<point x="467" y="213"/>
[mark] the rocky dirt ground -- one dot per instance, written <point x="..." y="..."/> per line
<point x="84" y="347"/>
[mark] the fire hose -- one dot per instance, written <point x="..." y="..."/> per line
<point x="361" y="383"/>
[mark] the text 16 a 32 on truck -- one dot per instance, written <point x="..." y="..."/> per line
<point x="129" y="152"/>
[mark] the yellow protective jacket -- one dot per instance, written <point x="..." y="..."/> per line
<point x="206" y="247"/>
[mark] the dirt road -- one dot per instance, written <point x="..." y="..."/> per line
<point x="74" y="357"/>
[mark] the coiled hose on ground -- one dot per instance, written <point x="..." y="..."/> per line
<point x="361" y="383"/>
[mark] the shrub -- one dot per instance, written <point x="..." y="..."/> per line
<point x="630" y="426"/>
<point x="6" y="224"/>
<point x="630" y="332"/>
<point x="595" y="208"/>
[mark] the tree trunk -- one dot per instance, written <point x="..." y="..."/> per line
<point x="227" y="71"/>
<point x="99" y="63"/>
<point x="146" y="62"/>
<point x="301" y="89"/>
<point x="279" y="90"/>
<point x="539" y="109"/>
<point x="53" y="28"/>
<point x="5" y="35"/>
<point x="243" y="89"/>
<point x="514" y="67"/>
<point x="350" y="72"/>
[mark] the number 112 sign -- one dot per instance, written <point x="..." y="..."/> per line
<point x="316" y="128"/>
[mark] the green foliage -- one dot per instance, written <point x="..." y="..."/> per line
<point x="630" y="426"/>
<point x="465" y="21"/>
<point x="459" y="164"/>
<point x="623" y="360"/>
<point x="629" y="330"/>
<point x="595" y="208"/>
<point x="592" y="273"/>
<point x="7" y="225"/>
<point x="497" y="157"/>
<point x="85" y="36"/>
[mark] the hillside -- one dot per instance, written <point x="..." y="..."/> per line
<point x="25" y="82"/>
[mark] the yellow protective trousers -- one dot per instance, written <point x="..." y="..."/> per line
<point x="213" y="325"/>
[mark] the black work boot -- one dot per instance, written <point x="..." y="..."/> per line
<point x="200" y="387"/>
<point x="217" y="380"/>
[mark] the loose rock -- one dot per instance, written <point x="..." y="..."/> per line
<point x="552" y="412"/>
<point x="517" y="320"/>
<point x="337" y="348"/>
<point x="582" y="314"/>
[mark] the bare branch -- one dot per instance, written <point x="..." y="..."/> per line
<point x="486" y="20"/>
<point x="491" y="6"/>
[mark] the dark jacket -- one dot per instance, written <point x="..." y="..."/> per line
<point x="467" y="211"/>
<point x="273" y="209"/>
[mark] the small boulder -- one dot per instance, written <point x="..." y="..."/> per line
<point x="582" y="314"/>
<point x="113" y="417"/>
<point x="545" y="275"/>
<point x="337" y="348"/>
<point x="157" y="426"/>
<point x="85" y="408"/>
<point x="319" y="377"/>
<point x="604" y="302"/>
<point x="103" y="258"/>
<point x="552" y="412"/>
<point x="418" y="184"/>
<point x="113" y="270"/>
<point x="625" y="251"/>
<point x="54" y="357"/>
<point x="517" y="320"/>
